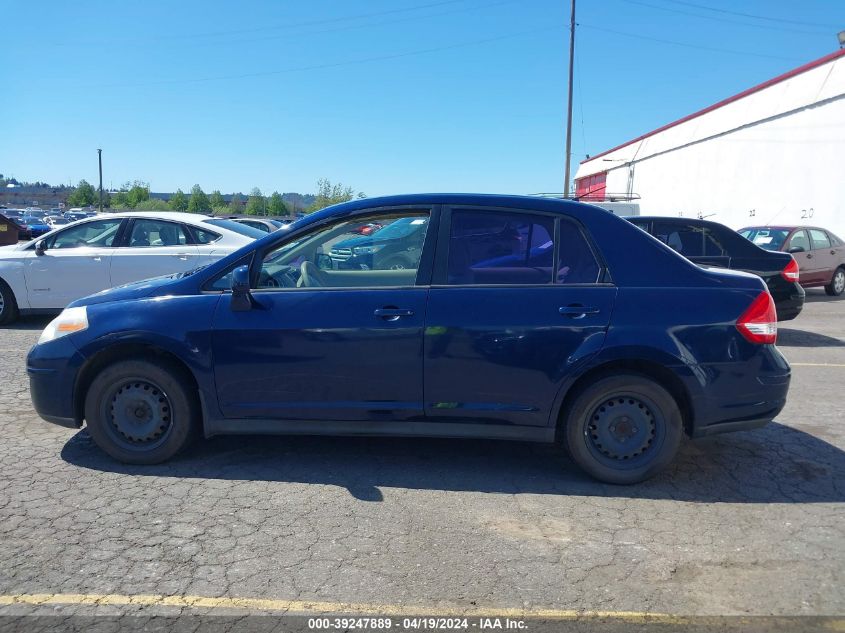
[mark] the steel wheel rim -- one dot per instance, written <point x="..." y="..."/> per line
<point x="838" y="284"/>
<point x="624" y="431"/>
<point x="139" y="414"/>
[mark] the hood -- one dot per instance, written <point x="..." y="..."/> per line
<point x="364" y="240"/>
<point x="130" y="291"/>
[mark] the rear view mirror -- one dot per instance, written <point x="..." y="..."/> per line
<point x="796" y="249"/>
<point x="40" y="248"/>
<point x="241" y="296"/>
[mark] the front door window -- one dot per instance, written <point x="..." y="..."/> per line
<point x="350" y="254"/>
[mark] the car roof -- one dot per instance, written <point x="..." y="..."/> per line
<point x="670" y="218"/>
<point x="179" y="216"/>
<point x="785" y="227"/>
<point x="579" y="210"/>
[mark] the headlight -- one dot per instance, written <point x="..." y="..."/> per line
<point x="367" y="250"/>
<point x="69" y="321"/>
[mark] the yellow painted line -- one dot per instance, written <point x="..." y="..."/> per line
<point x="817" y="364"/>
<point x="316" y="607"/>
<point x="304" y="607"/>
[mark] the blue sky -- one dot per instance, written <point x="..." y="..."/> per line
<point x="387" y="96"/>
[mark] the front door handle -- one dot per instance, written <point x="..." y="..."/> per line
<point x="389" y="313"/>
<point x="182" y="256"/>
<point x="576" y="311"/>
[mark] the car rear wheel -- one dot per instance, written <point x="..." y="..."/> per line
<point x="8" y="305"/>
<point x="837" y="285"/>
<point x="396" y="263"/>
<point x="623" y="429"/>
<point x="141" y="411"/>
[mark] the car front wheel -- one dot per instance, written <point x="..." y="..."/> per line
<point x="142" y="411"/>
<point x="837" y="285"/>
<point x="623" y="429"/>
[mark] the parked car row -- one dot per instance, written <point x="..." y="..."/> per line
<point x="788" y="259"/>
<point x="510" y="317"/>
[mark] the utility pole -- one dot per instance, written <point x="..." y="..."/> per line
<point x="100" y="159"/>
<point x="569" y="107"/>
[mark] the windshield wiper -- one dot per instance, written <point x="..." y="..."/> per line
<point x="188" y="273"/>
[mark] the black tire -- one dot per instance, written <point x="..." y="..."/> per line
<point x="837" y="283"/>
<point x="142" y="411"/>
<point x="396" y="263"/>
<point x="629" y="444"/>
<point x="8" y="304"/>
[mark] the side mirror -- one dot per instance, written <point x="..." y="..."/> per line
<point x="241" y="296"/>
<point x="323" y="261"/>
<point x="796" y="249"/>
<point x="40" y="248"/>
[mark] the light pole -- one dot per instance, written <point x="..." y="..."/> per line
<point x="100" y="160"/>
<point x="569" y="106"/>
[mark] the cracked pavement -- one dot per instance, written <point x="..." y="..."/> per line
<point x="743" y="524"/>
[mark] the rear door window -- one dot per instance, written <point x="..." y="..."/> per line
<point x="516" y="248"/>
<point x="489" y="247"/>
<point x="687" y="239"/>
<point x="819" y="238"/>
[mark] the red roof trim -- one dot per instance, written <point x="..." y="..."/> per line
<point x="771" y="82"/>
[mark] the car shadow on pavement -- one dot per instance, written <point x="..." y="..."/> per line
<point x="774" y="464"/>
<point x="788" y="337"/>
<point x="817" y="295"/>
<point x="30" y="322"/>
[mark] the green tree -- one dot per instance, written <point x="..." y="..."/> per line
<point x="256" y="204"/>
<point x="329" y="194"/>
<point x="199" y="202"/>
<point x="277" y="206"/>
<point x="83" y="196"/>
<point x="179" y="201"/>
<point x="136" y="193"/>
<point x="236" y="205"/>
<point x="216" y="199"/>
<point x="153" y="204"/>
<point x="118" y="200"/>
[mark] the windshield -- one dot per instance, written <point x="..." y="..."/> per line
<point x="770" y="239"/>
<point x="236" y="227"/>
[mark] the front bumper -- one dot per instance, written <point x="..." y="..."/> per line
<point x="52" y="370"/>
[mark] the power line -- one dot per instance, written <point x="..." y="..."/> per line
<point x="275" y="27"/>
<point x="353" y="27"/>
<point x="687" y="45"/>
<point x="748" y="15"/>
<point x="351" y="62"/>
<point x="726" y="20"/>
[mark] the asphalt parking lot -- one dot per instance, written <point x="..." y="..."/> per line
<point x="743" y="525"/>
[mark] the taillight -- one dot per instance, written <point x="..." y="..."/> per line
<point x="759" y="323"/>
<point x="790" y="273"/>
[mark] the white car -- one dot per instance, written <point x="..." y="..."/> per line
<point x="90" y="255"/>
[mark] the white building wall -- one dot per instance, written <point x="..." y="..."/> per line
<point x="776" y="156"/>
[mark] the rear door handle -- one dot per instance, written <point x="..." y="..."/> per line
<point x="578" y="311"/>
<point x="392" y="314"/>
<point x="182" y="256"/>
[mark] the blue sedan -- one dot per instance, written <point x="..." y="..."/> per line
<point x="515" y="318"/>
